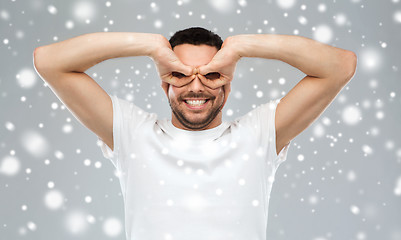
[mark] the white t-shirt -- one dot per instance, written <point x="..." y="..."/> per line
<point x="194" y="185"/>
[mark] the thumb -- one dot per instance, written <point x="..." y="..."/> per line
<point x="184" y="69"/>
<point x="205" y="69"/>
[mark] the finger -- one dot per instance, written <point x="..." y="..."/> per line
<point x="169" y="79"/>
<point x="184" y="69"/>
<point x="177" y="66"/>
<point x="207" y="82"/>
<point x="213" y="84"/>
<point x="181" y="68"/>
<point x="203" y="70"/>
<point x="212" y="66"/>
<point x="178" y="82"/>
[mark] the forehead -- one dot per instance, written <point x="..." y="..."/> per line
<point x="195" y="55"/>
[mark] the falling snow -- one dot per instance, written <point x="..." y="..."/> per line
<point x="371" y="60"/>
<point x="35" y="143"/>
<point x="340" y="19"/>
<point x="52" y="9"/>
<point x="347" y="163"/>
<point x="222" y="6"/>
<point x="84" y="10"/>
<point x="397" y="188"/>
<point x="286" y="4"/>
<point x="351" y="115"/>
<point x="10" y="166"/>
<point x="323" y="33"/>
<point x="53" y="199"/>
<point x="26" y="78"/>
<point x="76" y="222"/>
<point x="112" y="227"/>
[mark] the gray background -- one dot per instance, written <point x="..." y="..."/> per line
<point x="342" y="178"/>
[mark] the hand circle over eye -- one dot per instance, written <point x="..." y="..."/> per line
<point x="177" y="75"/>
<point x="210" y="76"/>
<point x="211" y="79"/>
<point x="218" y="72"/>
<point x="213" y="75"/>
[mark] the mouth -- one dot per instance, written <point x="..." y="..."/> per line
<point x="196" y="103"/>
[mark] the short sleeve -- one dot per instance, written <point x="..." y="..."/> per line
<point x="271" y="126"/>
<point x="126" y="119"/>
<point x="262" y="122"/>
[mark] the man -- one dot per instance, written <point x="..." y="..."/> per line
<point x="195" y="176"/>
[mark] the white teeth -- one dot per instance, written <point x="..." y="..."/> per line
<point x="195" y="102"/>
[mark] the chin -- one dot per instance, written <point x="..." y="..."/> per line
<point x="195" y="117"/>
<point x="196" y="123"/>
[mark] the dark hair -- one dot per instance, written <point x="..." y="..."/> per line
<point x="196" y="36"/>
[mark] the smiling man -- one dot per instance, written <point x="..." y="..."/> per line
<point x="195" y="176"/>
<point x="195" y="106"/>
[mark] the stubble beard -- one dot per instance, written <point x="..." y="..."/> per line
<point x="194" y="125"/>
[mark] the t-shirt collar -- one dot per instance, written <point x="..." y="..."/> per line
<point x="208" y="134"/>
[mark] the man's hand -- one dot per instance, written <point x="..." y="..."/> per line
<point x="220" y="70"/>
<point x="171" y="70"/>
<point x="328" y="70"/>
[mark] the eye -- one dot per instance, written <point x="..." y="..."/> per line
<point x="213" y="75"/>
<point x="178" y="74"/>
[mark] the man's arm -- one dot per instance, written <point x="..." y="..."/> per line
<point x="62" y="66"/>
<point x="328" y="70"/>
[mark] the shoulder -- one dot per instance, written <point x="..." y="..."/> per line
<point x="263" y="111"/>
<point x="130" y="113"/>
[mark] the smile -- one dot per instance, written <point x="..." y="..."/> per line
<point x="196" y="103"/>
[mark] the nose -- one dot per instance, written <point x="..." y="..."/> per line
<point x="196" y="85"/>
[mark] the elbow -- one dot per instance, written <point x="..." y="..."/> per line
<point x="41" y="62"/>
<point x="349" y="63"/>
<point x="36" y="59"/>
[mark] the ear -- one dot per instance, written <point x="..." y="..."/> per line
<point x="165" y="87"/>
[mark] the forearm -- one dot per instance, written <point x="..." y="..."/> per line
<point x="80" y="53"/>
<point x="311" y="57"/>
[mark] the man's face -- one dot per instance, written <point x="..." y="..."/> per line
<point x="195" y="106"/>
